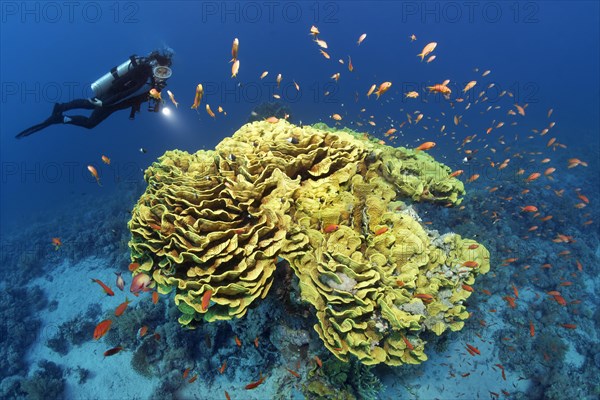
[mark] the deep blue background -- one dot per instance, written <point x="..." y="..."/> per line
<point x="546" y="52"/>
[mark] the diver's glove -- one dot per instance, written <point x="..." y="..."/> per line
<point x="95" y="101"/>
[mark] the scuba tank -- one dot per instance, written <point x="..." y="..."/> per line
<point x="103" y="84"/>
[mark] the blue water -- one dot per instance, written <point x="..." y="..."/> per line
<point x="544" y="53"/>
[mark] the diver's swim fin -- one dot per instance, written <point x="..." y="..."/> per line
<point x="54" y="119"/>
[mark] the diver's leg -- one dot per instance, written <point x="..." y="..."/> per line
<point x="87" y="104"/>
<point x="99" y="115"/>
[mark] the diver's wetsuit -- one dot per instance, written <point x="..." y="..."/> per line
<point x="120" y="96"/>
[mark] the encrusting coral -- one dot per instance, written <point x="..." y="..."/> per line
<point x="211" y="226"/>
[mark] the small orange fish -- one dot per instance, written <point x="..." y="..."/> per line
<point x="473" y="178"/>
<point x="515" y="291"/>
<point x="106" y="289"/>
<point x="426" y="50"/>
<point x="234" y="49"/>
<point x="531" y="329"/>
<point x="121" y="308"/>
<point x="331" y="228"/>
<point x="193" y="379"/>
<point x="133" y="266"/>
<point x="154" y="297"/>
<point x="409" y="345"/>
<point x="94" y="173"/>
<point x="186" y="373"/>
<point x="238" y="342"/>
<point x="533" y="177"/>
<point x="361" y="38"/>
<point x="255" y="384"/>
<point x="473" y="349"/>
<point x="470" y="264"/>
<point x="227" y="395"/>
<point x="142" y="331"/>
<point x="456" y="173"/>
<point x="569" y="326"/>
<point x="209" y="111"/>
<point x="560" y="300"/>
<point x="198" y="97"/>
<point x="113" y="351"/>
<point x="443" y="89"/>
<point x="381" y="231"/>
<point x="425" y="146"/>
<point x="256" y="342"/>
<point x="383" y="88"/>
<point x="155" y="94"/>
<point x="223" y="366"/>
<point x="473" y="246"/>
<point x="140" y="283"/>
<point x="467" y="287"/>
<point x="235" y="69"/>
<point x="102" y="328"/>
<point x="510" y="301"/>
<point x="56" y="242"/>
<point x="291" y="371"/>
<point x="529" y="209"/>
<point x="318" y="361"/>
<point x="423" y="296"/>
<point x="106" y="160"/>
<point x="206" y="299"/>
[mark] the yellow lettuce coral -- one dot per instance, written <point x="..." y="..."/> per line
<point x="327" y="202"/>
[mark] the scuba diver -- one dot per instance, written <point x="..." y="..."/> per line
<point x="137" y="80"/>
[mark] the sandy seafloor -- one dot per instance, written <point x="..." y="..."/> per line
<point x="114" y="376"/>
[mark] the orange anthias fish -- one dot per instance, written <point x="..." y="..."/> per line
<point x="209" y="111"/>
<point x="331" y="228"/>
<point x="235" y="68"/>
<point x="106" y="160"/>
<point x="94" y="173"/>
<point x="234" y="50"/>
<point x="102" y="328"/>
<point x="426" y="50"/>
<point x="198" y="97"/>
<point x="319" y="362"/>
<point x="107" y="290"/>
<point x="238" y="342"/>
<point x="529" y="209"/>
<point x="56" y="242"/>
<point x="531" y="329"/>
<point x="443" y="89"/>
<point x="425" y="146"/>
<point x="473" y="350"/>
<point x="140" y="283"/>
<point x="206" y="299"/>
<point x="383" y="88"/>
<point x="361" y="38"/>
<point x="113" y="351"/>
<point x="122" y="307"/>
<point x="154" y="297"/>
<point x="142" y="331"/>
<point x="255" y="384"/>
<point x="155" y="94"/>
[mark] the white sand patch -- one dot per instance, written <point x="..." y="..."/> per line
<point x="111" y="377"/>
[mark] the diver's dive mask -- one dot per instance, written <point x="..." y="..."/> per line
<point x="161" y="74"/>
